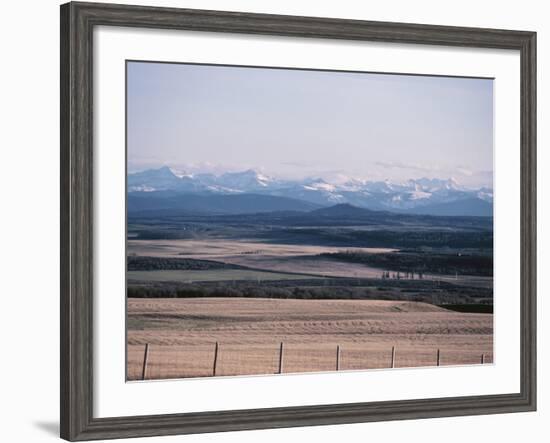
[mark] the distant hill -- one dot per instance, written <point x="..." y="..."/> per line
<point x="466" y="207"/>
<point x="343" y="210"/>
<point x="173" y="203"/>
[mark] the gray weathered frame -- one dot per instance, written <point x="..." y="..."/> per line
<point x="77" y="24"/>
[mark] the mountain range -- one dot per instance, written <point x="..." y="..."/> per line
<point x="164" y="189"/>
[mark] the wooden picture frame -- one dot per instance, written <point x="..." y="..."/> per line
<point x="77" y="23"/>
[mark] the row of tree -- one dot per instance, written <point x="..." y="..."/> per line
<point x="408" y="275"/>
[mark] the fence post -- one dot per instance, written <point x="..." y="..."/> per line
<point x="438" y="357"/>
<point x="145" y="361"/>
<point x="482" y="358"/>
<point x="338" y="357"/>
<point x="393" y="356"/>
<point x="214" y="367"/>
<point x="281" y="351"/>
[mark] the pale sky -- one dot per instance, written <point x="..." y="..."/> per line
<point x="298" y="123"/>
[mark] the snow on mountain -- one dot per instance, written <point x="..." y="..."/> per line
<point x="246" y="180"/>
<point x="353" y="185"/>
<point x="378" y="195"/>
<point x="320" y="185"/>
<point x="435" y="184"/>
<point x="153" y="180"/>
<point x="485" y="194"/>
<point x="418" y="195"/>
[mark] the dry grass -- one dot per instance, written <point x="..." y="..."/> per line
<point x="189" y="276"/>
<point x="214" y="249"/>
<point x="278" y="257"/>
<point x="182" y="334"/>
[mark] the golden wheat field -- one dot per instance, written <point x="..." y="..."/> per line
<point x="182" y="335"/>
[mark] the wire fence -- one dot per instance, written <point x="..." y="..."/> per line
<point x="150" y="361"/>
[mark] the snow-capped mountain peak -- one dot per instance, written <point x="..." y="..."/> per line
<point x="412" y="195"/>
<point x="248" y="179"/>
<point x="320" y="185"/>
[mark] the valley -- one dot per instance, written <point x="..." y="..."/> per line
<point x="239" y="261"/>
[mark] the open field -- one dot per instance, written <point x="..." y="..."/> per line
<point x="182" y="334"/>
<point x="281" y="258"/>
<point x="213" y="275"/>
<point x="215" y="249"/>
<point x="274" y="257"/>
<point x="252" y="281"/>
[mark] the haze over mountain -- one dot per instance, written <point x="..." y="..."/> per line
<point x="251" y="191"/>
<point x="176" y="203"/>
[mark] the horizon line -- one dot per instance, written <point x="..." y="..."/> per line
<point x="178" y="172"/>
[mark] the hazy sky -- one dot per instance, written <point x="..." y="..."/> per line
<point x="296" y="123"/>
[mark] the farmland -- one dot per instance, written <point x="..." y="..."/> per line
<point x="182" y="335"/>
<point x="214" y="275"/>
<point x="359" y="284"/>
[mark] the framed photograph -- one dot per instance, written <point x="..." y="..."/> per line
<point x="272" y="221"/>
